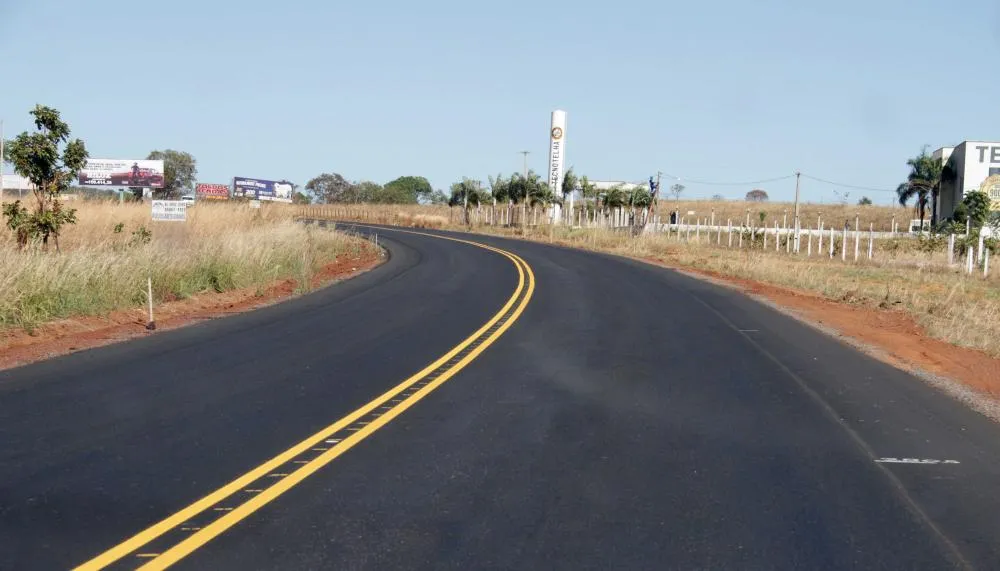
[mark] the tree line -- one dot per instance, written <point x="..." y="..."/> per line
<point x="333" y="188"/>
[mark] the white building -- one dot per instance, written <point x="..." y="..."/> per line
<point x="969" y="166"/>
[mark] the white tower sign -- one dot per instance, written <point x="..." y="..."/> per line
<point x="557" y="158"/>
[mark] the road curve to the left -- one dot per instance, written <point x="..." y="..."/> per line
<point x="103" y="444"/>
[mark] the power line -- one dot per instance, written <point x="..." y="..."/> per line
<point x="852" y="186"/>
<point x="715" y="183"/>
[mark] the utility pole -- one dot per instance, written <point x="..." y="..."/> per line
<point x="798" y="175"/>
<point x="524" y="181"/>
<point x="795" y="222"/>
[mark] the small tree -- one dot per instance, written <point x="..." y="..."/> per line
<point x="756" y="195"/>
<point x="718" y="197"/>
<point x="865" y="201"/>
<point x="570" y="183"/>
<point x="37" y="157"/>
<point x="180" y="171"/>
<point x="676" y="190"/>
<point x="467" y="193"/>
<point x="974" y="208"/>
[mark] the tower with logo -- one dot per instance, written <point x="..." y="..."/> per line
<point x="557" y="159"/>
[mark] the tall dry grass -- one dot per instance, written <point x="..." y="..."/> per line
<point x="106" y="257"/>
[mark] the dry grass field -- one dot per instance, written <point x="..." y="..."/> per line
<point x="106" y="257"/>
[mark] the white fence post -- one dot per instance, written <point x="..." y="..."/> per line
<point x="979" y="249"/>
<point x="730" y="225"/>
<point x="843" y="249"/>
<point x="968" y="258"/>
<point x="986" y="263"/>
<point x="764" y="229"/>
<point x="741" y="239"/>
<point x="777" y="239"/>
<point x="697" y="231"/>
<point x="871" y="240"/>
<point x="951" y="249"/>
<point x="809" y="245"/>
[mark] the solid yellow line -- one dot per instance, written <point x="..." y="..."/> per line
<point x="206" y="534"/>
<point x="156" y="530"/>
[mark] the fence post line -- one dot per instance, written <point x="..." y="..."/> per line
<point x="951" y="249"/>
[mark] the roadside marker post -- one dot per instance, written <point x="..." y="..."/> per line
<point x="951" y="249"/>
<point x="150" y="325"/>
<point x="969" y="260"/>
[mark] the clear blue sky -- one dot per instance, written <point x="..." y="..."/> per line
<point x="730" y="90"/>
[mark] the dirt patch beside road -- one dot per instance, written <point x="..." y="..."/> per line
<point x="894" y="335"/>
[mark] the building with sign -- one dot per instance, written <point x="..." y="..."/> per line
<point x="969" y="166"/>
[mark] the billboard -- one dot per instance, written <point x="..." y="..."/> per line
<point x="209" y="191"/>
<point x="557" y="157"/>
<point x="122" y="172"/>
<point x="280" y="191"/>
<point x="170" y="210"/>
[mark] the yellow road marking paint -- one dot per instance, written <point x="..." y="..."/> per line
<point x="526" y="278"/>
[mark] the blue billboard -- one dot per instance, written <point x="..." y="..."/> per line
<point x="275" y="191"/>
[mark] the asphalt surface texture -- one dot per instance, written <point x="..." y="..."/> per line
<point x="630" y="418"/>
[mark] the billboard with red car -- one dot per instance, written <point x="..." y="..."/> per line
<point x="122" y="172"/>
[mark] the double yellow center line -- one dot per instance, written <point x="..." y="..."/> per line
<point x="175" y="537"/>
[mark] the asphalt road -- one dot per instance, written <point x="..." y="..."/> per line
<point x="630" y="418"/>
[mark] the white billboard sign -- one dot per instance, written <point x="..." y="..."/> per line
<point x="170" y="210"/>
<point x="557" y="158"/>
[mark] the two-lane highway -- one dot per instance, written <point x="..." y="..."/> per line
<point x="564" y="410"/>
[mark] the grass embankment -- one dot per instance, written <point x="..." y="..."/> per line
<point x="904" y="275"/>
<point x="106" y="257"/>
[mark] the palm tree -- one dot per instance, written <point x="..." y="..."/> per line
<point x="499" y="191"/>
<point x="465" y="194"/>
<point x="923" y="182"/>
<point x="589" y="192"/>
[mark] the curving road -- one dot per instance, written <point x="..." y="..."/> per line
<point x="587" y="412"/>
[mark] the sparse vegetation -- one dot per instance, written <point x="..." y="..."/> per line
<point x="107" y="255"/>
